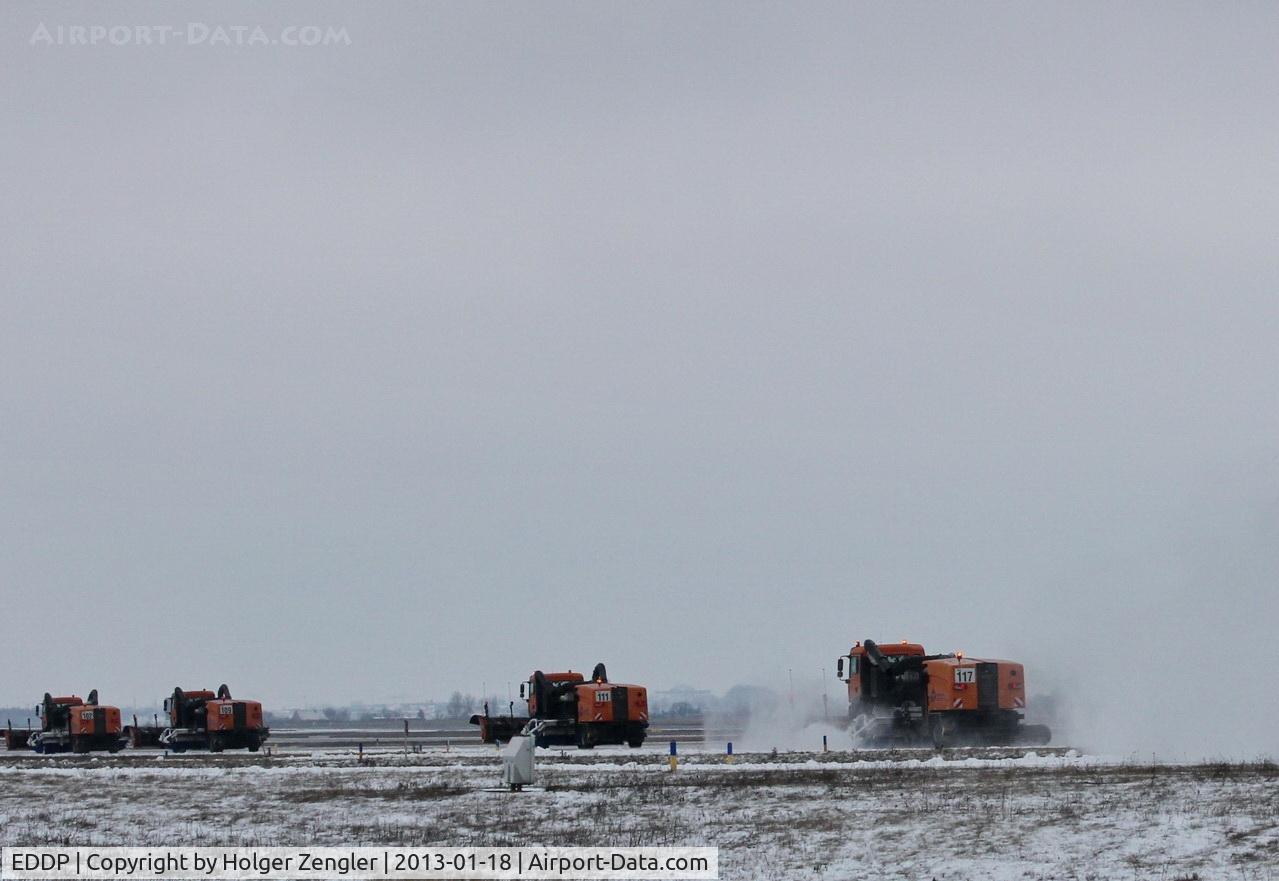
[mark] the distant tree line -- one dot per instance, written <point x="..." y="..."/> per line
<point x="458" y="706"/>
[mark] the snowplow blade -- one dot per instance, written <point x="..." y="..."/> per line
<point x="143" y="735"/>
<point x="499" y="729"/>
<point x="16" y="738"/>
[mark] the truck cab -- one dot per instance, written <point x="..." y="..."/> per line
<point x="871" y="687"/>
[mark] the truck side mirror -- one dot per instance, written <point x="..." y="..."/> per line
<point x="839" y="670"/>
<point x="524" y="691"/>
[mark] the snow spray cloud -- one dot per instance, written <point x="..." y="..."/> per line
<point x="785" y="715"/>
<point x="1149" y="641"/>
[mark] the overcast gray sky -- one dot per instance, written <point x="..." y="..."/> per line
<point x="702" y="339"/>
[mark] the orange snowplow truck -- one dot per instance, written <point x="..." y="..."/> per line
<point x="899" y="695"/>
<point x="574" y="711"/>
<point x="204" y="720"/>
<point x="69" y="724"/>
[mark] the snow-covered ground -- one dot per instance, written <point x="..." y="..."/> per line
<point x="836" y="816"/>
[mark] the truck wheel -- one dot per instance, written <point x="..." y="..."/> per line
<point x="80" y="745"/>
<point x="254" y="744"/>
<point x="635" y="741"/>
<point x="586" y="739"/>
<point x="215" y="743"/>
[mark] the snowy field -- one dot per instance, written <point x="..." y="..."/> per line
<point x="795" y="815"/>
